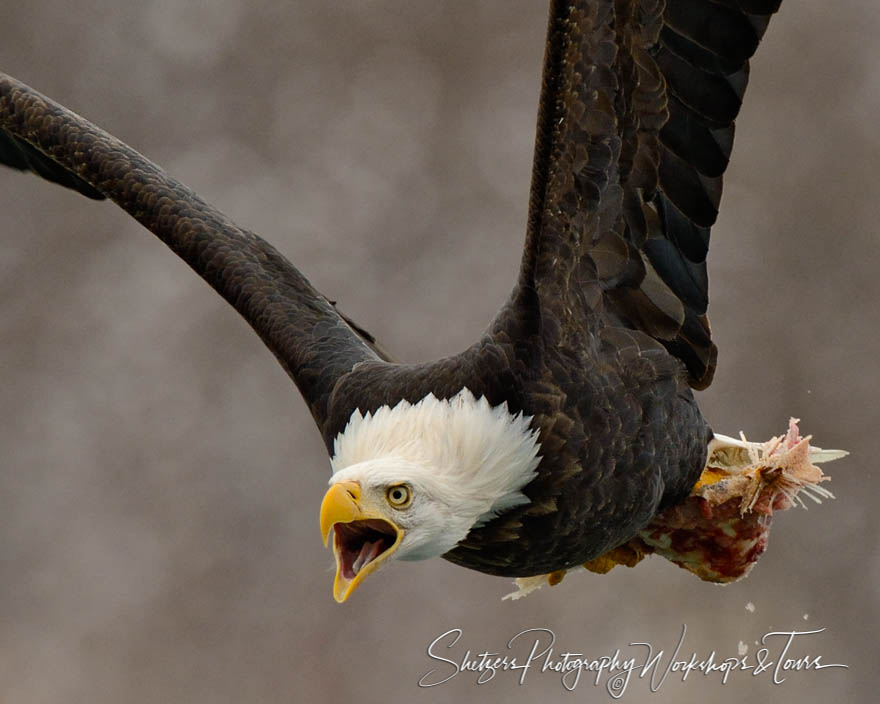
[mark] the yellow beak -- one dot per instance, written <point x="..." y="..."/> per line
<point x="362" y="539"/>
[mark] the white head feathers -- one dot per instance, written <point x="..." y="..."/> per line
<point x="469" y="458"/>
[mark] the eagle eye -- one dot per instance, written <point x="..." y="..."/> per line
<point x="399" y="495"/>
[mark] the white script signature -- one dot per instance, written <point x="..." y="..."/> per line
<point x="535" y="651"/>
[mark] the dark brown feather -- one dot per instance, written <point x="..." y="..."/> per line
<point x="313" y="342"/>
<point x="634" y="133"/>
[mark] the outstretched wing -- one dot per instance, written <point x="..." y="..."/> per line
<point x="314" y="343"/>
<point x="634" y="133"/>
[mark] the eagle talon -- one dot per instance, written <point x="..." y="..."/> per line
<point x="555" y="577"/>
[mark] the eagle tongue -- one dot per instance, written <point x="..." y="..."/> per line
<point x="368" y="552"/>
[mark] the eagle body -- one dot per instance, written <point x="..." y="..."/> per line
<point x="620" y="435"/>
<point x="581" y="385"/>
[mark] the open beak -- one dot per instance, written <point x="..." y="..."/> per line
<point x="362" y="539"/>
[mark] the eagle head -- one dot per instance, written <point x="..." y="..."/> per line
<point x="411" y="481"/>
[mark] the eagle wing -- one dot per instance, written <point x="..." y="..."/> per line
<point x="313" y="341"/>
<point x="635" y="130"/>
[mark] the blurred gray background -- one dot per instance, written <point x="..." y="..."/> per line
<point x="161" y="477"/>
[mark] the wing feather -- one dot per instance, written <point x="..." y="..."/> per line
<point x="635" y="131"/>
<point x="312" y="340"/>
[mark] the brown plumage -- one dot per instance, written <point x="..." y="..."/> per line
<point x="605" y="331"/>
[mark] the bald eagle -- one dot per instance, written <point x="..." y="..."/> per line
<point x="564" y="430"/>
